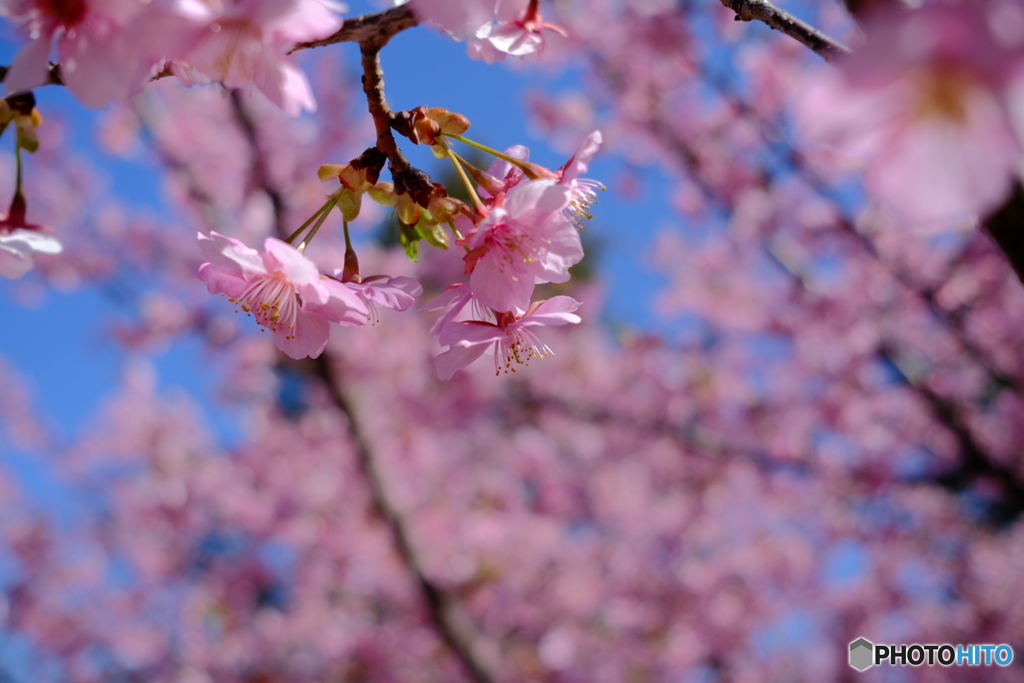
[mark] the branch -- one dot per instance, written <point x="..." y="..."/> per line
<point x="448" y="618"/>
<point x="259" y="167"/>
<point x="1004" y="226"/>
<point x="780" y="20"/>
<point x="407" y="179"/>
<point x="370" y="29"/>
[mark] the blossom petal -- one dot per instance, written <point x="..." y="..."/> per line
<point x="14" y="263"/>
<point x="456" y="358"/>
<point x="279" y="257"/>
<point x="498" y="285"/>
<point x="343" y="305"/>
<point x="580" y="161"/>
<point x="564" y="250"/>
<point x="537" y="197"/>
<point x="557" y="310"/>
<point x="231" y="257"/>
<point x="30" y="66"/>
<point x="470" y="333"/>
<point x="397" y="293"/>
<point x="33" y="240"/>
<point x="308" y="338"/>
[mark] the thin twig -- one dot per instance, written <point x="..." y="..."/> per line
<point x="780" y="20"/>
<point x="259" y="166"/>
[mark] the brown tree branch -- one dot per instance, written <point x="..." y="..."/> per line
<point x="369" y="29"/>
<point x="446" y="614"/>
<point x="780" y="20"/>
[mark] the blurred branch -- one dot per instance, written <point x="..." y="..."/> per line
<point x="1006" y="226"/>
<point x="446" y="614"/>
<point x="975" y="464"/>
<point x="780" y="20"/>
<point x="259" y="166"/>
<point x="152" y="118"/>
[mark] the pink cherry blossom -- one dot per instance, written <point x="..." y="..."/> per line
<point x="518" y="30"/>
<point x="583" y="191"/>
<point x="244" y="42"/>
<point x="397" y="293"/>
<point x="929" y="102"/>
<point x="99" y="63"/>
<point x="510" y="336"/>
<point x="282" y="289"/>
<point x="460" y="18"/>
<point x="525" y="239"/>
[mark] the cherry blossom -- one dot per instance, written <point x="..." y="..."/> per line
<point x="932" y="102"/>
<point x="583" y="191"/>
<point x="99" y="60"/>
<point x="397" y="293"/>
<point x="518" y="31"/>
<point x="243" y="42"/>
<point x="282" y="289"/>
<point x="525" y="239"/>
<point x="510" y="336"/>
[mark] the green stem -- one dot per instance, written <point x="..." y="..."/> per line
<point x="323" y="209"/>
<point x="521" y="165"/>
<point x="465" y="179"/>
<point x="458" y="235"/>
<point x="320" y="221"/>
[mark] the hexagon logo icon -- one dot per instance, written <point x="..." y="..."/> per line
<point x="861" y="654"/>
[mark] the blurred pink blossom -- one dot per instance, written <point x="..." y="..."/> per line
<point x="932" y="102"/>
<point x="244" y="42"/>
<point x="99" y="62"/>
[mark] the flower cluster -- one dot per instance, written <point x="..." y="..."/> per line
<point x="108" y="50"/>
<point x="287" y="294"/>
<point x="523" y="233"/>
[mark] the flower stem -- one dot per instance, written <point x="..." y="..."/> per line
<point x="292" y="237"/>
<point x="465" y="179"/>
<point x="320" y="221"/>
<point x="351" y="270"/>
<point x="521" y="165"/>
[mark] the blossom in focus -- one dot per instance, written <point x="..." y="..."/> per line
<point x="582" y="191"/>
<point x="929" y="101"/>
<point x="282" y="289"/>
<point x="243" y="42"/>
<point x="510" y="336"/>
<point x="525" y="239"/>
<point x="397" y="293"/>
<point x="99" y="62"/>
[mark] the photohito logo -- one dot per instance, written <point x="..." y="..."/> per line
<point x="865" y="654"/>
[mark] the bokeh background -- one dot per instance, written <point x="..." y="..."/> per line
<point x="789" y="419"/>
